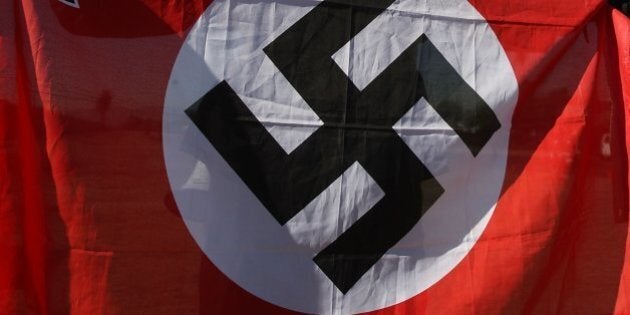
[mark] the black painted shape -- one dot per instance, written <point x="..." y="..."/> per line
<point x="451" y="97"/>
<point x="303" y="55"/>
<point x="284" y="184"/>
<point x="357" y="128"/>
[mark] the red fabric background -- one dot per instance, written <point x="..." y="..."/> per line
<point x="87" y="221"/>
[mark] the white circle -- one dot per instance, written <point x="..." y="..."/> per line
<point x="275" y="262"/>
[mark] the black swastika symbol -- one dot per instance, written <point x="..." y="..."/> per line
<point x="357" y="127"/>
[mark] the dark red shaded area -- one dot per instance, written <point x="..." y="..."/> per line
<point x="128" y="18"/>
<point x="33" y="242"/>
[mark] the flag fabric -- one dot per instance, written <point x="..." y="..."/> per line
<point x="333" y="157"/>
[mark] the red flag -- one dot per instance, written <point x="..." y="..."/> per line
<point x="282" y="157"/>
<point x="621" y="27"/>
